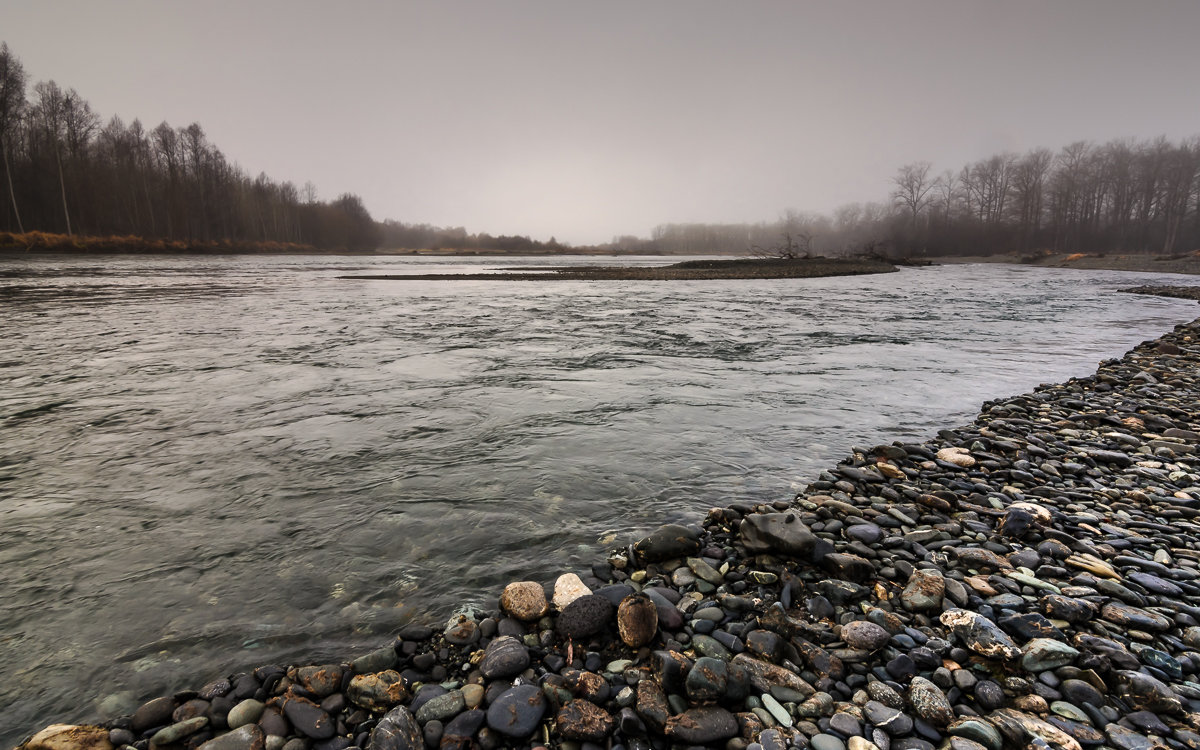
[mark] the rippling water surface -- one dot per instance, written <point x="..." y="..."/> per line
<point x="212" y="463"/>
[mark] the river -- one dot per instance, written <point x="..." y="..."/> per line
<point x="211" y="463"/>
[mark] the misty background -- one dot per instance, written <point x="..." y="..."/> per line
<point x="588" y="121"/>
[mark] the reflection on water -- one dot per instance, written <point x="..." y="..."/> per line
<point x="211" y="463"/>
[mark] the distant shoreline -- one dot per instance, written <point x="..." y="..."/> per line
<point x="695" y="270"/>
<point x="40" y="244"/>
<point x="1188" y="263"/>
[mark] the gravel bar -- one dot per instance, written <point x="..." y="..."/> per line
<point x="692" y="270"/>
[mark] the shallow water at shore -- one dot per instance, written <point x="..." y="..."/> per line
<point x="214" y="463"/>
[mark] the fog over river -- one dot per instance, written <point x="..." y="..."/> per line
<point x="208" y="464"/>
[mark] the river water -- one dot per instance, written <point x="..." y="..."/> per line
<point x="208" y="464"/>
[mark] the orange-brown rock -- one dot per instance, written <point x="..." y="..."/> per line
<point x="637" y="620"/>
<point x="524" y="600"/>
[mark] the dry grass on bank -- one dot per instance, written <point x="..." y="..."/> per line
<point x="45" y="242"/>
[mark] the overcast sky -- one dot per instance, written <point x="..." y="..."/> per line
<point x="588" y="120"/>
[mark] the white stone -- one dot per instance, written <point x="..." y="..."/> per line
<point x="69" y="737"/>
<point x="1041" y="515"/>
<point x="957" y="456"/>
<point x="567" y="589"/>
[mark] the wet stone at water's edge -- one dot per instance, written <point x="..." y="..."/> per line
<point x="1029" y="579"/>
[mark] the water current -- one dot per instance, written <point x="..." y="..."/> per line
<point x="208" y="464"/>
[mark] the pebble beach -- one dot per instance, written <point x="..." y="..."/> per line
<point x="1031" y="579"/>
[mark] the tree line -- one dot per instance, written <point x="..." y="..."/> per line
<point x="1124" y="196"/>
<point x="66" y="171"/>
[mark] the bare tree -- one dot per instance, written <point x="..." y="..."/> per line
<point x="12" y="104"/>
<point x="913" y="186"/>
<point x="1028" y="185"/>
<point x="50" y="112"/>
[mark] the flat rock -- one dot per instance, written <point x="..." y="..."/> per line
<point x="441" y="708"/>
<point x="782" y="534"/>
<point x="176" y="732"/>
<point x="1067" y="608"/>
<point x="980" y="634"/>
<point x="891" y="720"/>
<point x="1127" y="739"/>
<point x="69" y="737"/>
<point x="924" y="591"/>
<point x="1041" y="654"/>
<point x="1145" y="693"/>
<point x="848" y="567"/>
<point x="308" y="719"/>
<point x="702" y="726"/>
<point x="248" y="737"/>
<point x="983" y="559"/>
<point x="1020" y="727"/>
<point x="1134" y="617"/>
<point x="517" y="711"/>
<point x="667" y="542"/>
<point x="154" y="713"/>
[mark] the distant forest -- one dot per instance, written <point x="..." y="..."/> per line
<point x="67" y="172"/>
<point x="1122" y="197"/>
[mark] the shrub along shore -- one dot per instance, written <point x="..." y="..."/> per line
<point x="1031" y="579"/>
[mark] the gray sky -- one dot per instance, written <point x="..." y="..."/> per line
<point x="587" y="120"/>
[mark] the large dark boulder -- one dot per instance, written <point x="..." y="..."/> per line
<point x="668" y="542"/>
<point x="782" y="534"/>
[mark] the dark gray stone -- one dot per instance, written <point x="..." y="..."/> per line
<point x="248" y="737"/>
<point x="585" y="617"/>
<point x="781" y="534"/>
<point x="505" y="657"/>
<point x="517" y="711"/>
<point x="308" y="719"/>
<point x="397" y="730"/>
<point x="702" y="726"/>
<point x="668" y="542"/>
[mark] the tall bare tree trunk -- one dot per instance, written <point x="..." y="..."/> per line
<point x="63" y="186"/>
<point x="11" y="194"/>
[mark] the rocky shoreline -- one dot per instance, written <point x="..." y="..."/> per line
<point x="1031" y="579"/>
